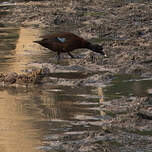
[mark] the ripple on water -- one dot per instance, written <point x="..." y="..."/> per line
<point x="48" y="118"/>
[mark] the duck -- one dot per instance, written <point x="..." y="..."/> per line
<point x="66" y="42"/>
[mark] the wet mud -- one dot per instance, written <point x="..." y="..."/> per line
<point x="124" y="29"/>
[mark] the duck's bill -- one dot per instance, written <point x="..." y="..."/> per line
<point x="105" y="56"/>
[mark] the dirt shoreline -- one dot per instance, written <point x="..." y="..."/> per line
<point x="124" y="28"/>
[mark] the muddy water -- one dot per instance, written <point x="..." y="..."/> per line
<point x="128" y="85"/>
<point x="35" y="119"/>
<point x="17" y="47"/>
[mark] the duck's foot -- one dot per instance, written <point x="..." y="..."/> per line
<point x="71" y="55"/>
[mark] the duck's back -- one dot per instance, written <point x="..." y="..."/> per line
<point x="63" y="41"/>
<point x="66" y="35"/>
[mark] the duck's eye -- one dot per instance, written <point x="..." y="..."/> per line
<point x="61" y="39"/>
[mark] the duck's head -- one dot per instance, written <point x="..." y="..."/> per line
<point x="98" y="48"/>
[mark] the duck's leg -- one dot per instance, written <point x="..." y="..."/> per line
<point x="58" y="56"/>
<point x="70" y="55"/>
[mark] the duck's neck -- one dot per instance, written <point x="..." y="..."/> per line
<point x="91" y="46"/>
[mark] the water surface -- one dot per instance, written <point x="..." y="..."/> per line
<point x="33" y="119"/>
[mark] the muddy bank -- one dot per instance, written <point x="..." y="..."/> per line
<point x="124" y="28"/>
<point x="52" y="74"/>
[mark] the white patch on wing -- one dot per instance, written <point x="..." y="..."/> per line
<point x="61" y="39"/>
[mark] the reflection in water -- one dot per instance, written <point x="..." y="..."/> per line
<point x="8" y="37"/>
<point x="100" y="94"/>
<point x="28" y="115"/>
<point x="26" y="51"/>
<point x="16" y="131"/>
<point x="138" y="89"/>
<point x="18" y="49"/>
<point x="125" y="85"/>
<point x="25" y="41"/>
<point x="101" y="99"/>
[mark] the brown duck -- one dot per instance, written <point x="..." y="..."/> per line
<point x="67" y="42"/>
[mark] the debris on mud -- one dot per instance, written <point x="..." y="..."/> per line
<point x="74" y="75"/>
<point x="33" y="77"/>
